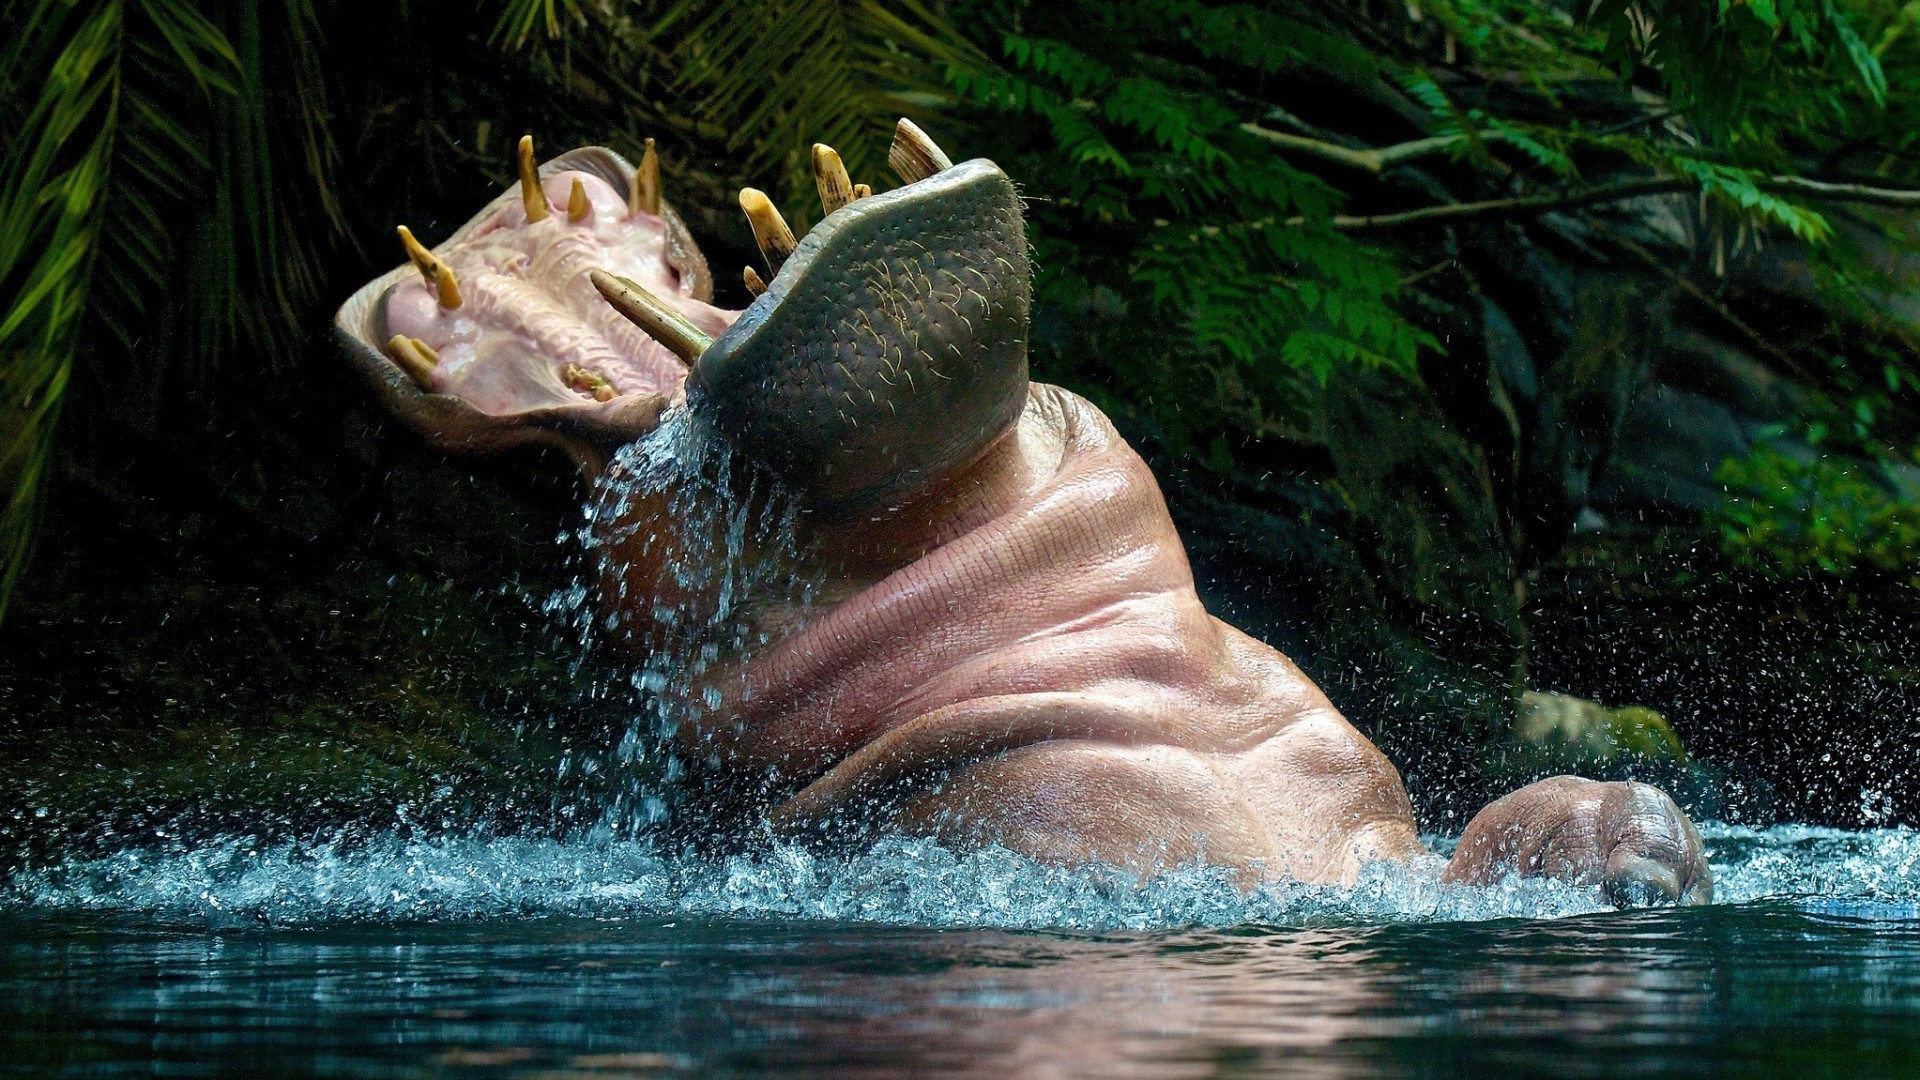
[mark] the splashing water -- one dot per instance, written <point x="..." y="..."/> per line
<point x="721" y="533"/>
<point x="904" y="881"/>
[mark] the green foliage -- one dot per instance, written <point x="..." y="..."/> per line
<point x="1202" y="174"/>
<point x="1160" y="209"/>
<point x="1785" y="516"/>
<point x="146" y="139"/>
<point x="1558" y="733"/>
<point x="1747" y="73"/>
<point x="772" y="79"/>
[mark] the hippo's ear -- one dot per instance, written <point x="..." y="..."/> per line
<point x="890" y="351"/>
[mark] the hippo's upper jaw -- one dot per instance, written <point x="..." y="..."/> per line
<point x="887" y="351"/>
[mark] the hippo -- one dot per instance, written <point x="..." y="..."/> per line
<point x="1003" y="644"/>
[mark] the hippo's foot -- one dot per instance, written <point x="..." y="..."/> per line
<point x="1629" y="839"/>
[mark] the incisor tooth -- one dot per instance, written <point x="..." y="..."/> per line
<point x="649" y="313"/>
<point x="579" y="207"/>
<point x="531" y="194"/>
<point x="913" y="155"/>
<point x="415" y="358"/>
<point x="830" y="176"/>
<point x="438" y="274"/>
<point x="861" y="191"/>
<point x="752" y="277"/>
<point x="643" y="193"/>
<point x="770" y="230"/>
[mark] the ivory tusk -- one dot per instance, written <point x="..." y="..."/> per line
<point x="830" y="176"/>
<point x="438" y="274"/>
<point x="913" y="155"/>
<point x="643" y="192"/>
<point x="532" y="196"/>
<point x="649" y="313"/>
<point x="415" y="358"/>
<point x="770" y="230"/>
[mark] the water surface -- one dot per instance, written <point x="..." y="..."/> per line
<point x="507" y="957"/>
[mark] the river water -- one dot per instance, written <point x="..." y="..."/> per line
<point x="488" y="956"/>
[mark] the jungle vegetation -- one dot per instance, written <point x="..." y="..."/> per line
<point x="1377" y="280"/>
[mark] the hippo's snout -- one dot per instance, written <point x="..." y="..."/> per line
<point x="890" y="350"/>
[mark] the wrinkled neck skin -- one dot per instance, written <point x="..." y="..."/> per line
<point x="1018" y="656"/>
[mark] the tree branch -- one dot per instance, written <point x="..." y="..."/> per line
<point x="1380" y="159"/>
<point x="1528" y="204"/>
<point x="1692" y="289"/>
<point x="1375" y="161"/>
<point x="1821" y="189"/>
<point x="1633" y="189"/>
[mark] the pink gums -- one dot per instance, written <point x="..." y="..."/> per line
<point x="529" y="311"/>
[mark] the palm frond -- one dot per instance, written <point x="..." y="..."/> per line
<point x="163" y="188"/>
<point x="49" y="218"/>
<point x="783" y="76"/>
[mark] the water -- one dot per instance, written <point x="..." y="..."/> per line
<point x="489" y="956"/>
<point x="712" y="544"/>
<point x="429" y="953"/>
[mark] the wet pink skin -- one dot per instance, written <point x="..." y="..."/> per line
<point x="1023" y="660"/>
<point x="1015" y="656"/>
<point x="529" y="309"/>
<point x="1019" y="657"/>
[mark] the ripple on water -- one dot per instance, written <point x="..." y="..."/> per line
<point x="395" y="878"/>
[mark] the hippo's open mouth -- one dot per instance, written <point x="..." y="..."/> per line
<point x="884" y="350"/>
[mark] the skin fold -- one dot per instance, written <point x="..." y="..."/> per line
<point x="1004" y="644"/>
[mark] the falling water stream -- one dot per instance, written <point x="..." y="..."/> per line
<point x="413" y="952"/>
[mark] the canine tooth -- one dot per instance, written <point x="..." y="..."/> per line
<point x="415" y="358"/>
<point x="645" y="310"/>
<point x="830" y="176"/>
<point x="531" y="194"/>
<point x="861" y="191"/>
<point x="579" y="207"/>
<point x="643" y="191"/>
<point x="438" y="274"/>
<point x="914" y="156"/>
<point x="770" y="230"/>
<point x="752" y="277"/>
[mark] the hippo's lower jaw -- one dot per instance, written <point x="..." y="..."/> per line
<point x="1007" y="646"/>
<point x="498" y="337"/>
